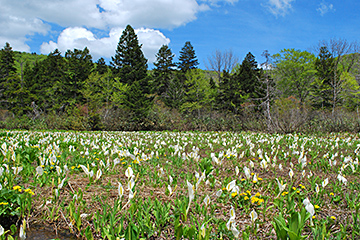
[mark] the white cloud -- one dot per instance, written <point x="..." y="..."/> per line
<point x="279" y="7"/>
<point x="20" y="19"/>
<point x="325" y="8"/>
<point x="78" y="37"/>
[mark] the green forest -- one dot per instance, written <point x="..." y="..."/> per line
<point x="292" y="91"/>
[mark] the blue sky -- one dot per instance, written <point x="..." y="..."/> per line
<point x="240" y="25"/>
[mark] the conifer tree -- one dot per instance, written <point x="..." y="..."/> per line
<point x="130" y="66"/>
<point x="79" y="68"/>
<point x="7" y="73"/>
<point x="101" y="66"/>
<point x="187" y="58"/>
<point x="321" y="88"/>
<point x="129" y="63"/>
<point x="164" y="68"/>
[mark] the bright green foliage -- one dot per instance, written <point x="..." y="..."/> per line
<point x="294" y="73"/>
<point x="164" y="69"/>
<point x="293" y="227"/>
<point x="197" y="92"/>
<point x="187" y="58"/>
<point x="174" y="95"/>
<point x="350" y="94"/>
<point x="98" y="92"/>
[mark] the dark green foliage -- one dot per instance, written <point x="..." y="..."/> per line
<point x="187" y="58"/>
<point x="164" y="69"/>
<point x="247" y="79"/>
<point x="79" y="65"/>
<point x="129" y="66"/>
<point x="101" y="66"/>
<point x="129" y="63"/>
<point x="324" y="66"/>
<point x="7" y="75"/>
<point x="241" y="87"/>
<point x="7" y="62"/>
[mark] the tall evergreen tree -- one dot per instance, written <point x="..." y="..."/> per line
<point x="79" y="68"/>
<point x="130" y="66"/>
<point x="7" y="73"/>
<point x="164" y="68"/>
<point x="187" y="58"/>
<point x="101" y="66"/>
<point x="321" y="87"/>
<point x="245" y="84"/>
<point x="129" y="62"/>
<point x="248" y="78"/>
<point x="7" y="61"/>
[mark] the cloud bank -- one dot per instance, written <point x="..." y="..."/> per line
<point x="80" y="19"/>
<point x="78" y="37"/>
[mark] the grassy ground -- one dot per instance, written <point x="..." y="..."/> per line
<point x="192" y="185"/>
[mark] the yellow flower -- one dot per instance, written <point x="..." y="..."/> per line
<point x="234" y="194"/>
<point x="331" y="194"/>
<point x="313" y="217"/>
<point x="284" y="193"/>
<point x="260" y="179"/>
<point x="333" y="218"/>
<point x="4" y="203"/>
<point x="257" y="195"/>
<point x="246" y="198"/>
<point x="17" y="188"/>
<point x="243" y="179"/>
<point x="73" y="167"/>
<point x="28" y="190"/>
<point x="294" y="188"/>
<point x="252" y="174"/>
<point x="316" y="206"/>
<point x="297" y="191"/>
<point x="248" y="191"/>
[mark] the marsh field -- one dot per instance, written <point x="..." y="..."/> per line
<point x="180" y="185"/>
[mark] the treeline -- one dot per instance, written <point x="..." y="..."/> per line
<point x="292" y="91"/>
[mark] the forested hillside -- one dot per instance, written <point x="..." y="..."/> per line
<point x="293" y="90"/>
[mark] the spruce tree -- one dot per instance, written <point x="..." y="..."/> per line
<point x="164" y="68"/>
<point x="129" y="62"/>
<point x="7" y="73"/>
<point x="187" y="58"/>
<point x="246" y="81"/>
<point x="321" y="88"/>
<point x="101" y="66"/>
<point x="79" y="68"/>
<point x="130" y="66"/>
